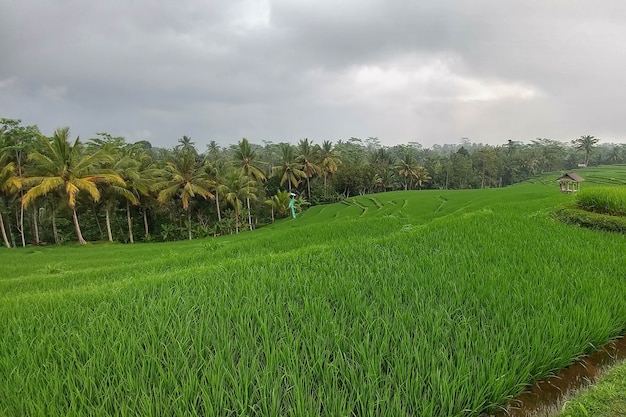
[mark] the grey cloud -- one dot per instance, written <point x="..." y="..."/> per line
<point x="282" y="70"/>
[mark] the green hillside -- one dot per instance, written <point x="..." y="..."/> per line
<point x="430" y="303"/>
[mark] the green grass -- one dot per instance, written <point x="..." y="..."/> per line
<point x="430" y="303"/>
<point x="606" y="398"/>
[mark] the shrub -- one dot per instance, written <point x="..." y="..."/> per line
<point x="591" y="220"/>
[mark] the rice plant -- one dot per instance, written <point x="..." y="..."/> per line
<point x="605" y="200"/>
<point x="343" y="311"/>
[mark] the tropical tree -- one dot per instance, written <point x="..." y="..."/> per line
<point x="185" y="179"/>
<point x="484" y="160"/>
<point x="289" y="170"/>
<point x="406" y="167"/>
<point x="586" y="144"/>
<point x="307" y="158"/>
<point x="279" y="203"/>
<point x="216" y="172"/>
<point x="247" y="158"/>
<point x="15" y="142"/>
<point x="62" y="167"/>
<point x="237" y="188"/>
<point x="329" y="161"/>
<point x="126" y="167"/>
<point x="186" y="145"/>
<point x="141" y="181"/>
<point x="550" y="153"/>
<point x="213" y="152"/>
<point x="9" y="184"/>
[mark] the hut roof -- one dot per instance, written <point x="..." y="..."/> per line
<point x="571" y="176"/>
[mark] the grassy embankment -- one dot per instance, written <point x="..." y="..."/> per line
<point x="431" y="303"/>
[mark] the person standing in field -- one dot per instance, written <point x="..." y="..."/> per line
<point x="292" y="203"/>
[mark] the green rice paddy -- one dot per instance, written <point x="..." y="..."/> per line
<point x="421" y="303"/>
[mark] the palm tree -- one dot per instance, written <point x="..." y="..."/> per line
<point x="421" y="176"/>
<point x="9" y="184"/>
<point x="15" y="142"/>
<point x="406" y="167"/>
<point x="126" y="167"/>
<point x="279" y="203"/>
<point x="185" y="144"/>
<point x="185" y="179"/>
<point x="64" y="168"/>
<point x="289" y="170"/>
<point x="586" y="144"/>
<point x="249" y="168"/>
<point x="213" y="151"/>
<point x="216" y="172"/>
<point x="238" y="187"/>
<point x="329" y="161"/>
<point x="141" y="181"/>
<point x="307" y="160"/>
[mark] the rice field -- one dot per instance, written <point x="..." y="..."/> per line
<point x="605" y="200"/>
<point x="418" y="303"/>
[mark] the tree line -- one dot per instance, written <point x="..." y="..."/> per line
<point x="57" y="188"/>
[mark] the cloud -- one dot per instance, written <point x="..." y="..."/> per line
<point x="287" y="69"/>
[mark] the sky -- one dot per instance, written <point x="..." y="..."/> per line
<point x="428" y="71"/>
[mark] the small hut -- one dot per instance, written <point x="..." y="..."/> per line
<point x="570" y="182"/>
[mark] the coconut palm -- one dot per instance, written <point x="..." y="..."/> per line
<point x="237" y="188"/>
<point x="216" y="171"/>
<point x="586" y="144"/>
<point x="289" y="170"/>
<point x="307" y="156"/>
<point x="279" y="203"/>
<point x="9" y="183"/>
<point x="328" y="161"/>
<point x="141" y="181"/>
<point x="15" y="142"/>
<point x="406" y="168"/>
<point x="421" y="176"/>
<point x="185" y="179"/>
<point x="62" y="167"/>
<point x="247" y="158"/>
<point x="126" y="167"/>
<point x="213" y="152"/>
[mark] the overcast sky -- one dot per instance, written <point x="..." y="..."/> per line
<point x="430" y="71"/>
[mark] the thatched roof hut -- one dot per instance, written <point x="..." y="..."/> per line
<point x="570" y="182"/>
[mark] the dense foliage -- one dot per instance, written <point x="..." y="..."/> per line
<point x="57" y="189"/>
<point x="429" y="303"/>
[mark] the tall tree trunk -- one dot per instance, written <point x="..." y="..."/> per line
<point x="55" y="232"/>
<point x="21" y="225"/>
<point x="249" y="213"/>
<point x="325" y="189"/>
<point x="77" y="227"/>
<point x="217" y="204"/>
<point x="130" y="223"/>
<point x="95" y="215"/>
<point x="308" y="187"/>
<point x="11" y="236"/>
<point x="189" y="221"/>
<point x="36" y="226"/>
<point x="18" y="157"/>
<point x="145" y="222"/>
<point x="482" y="182"/>
<point x="108" y="223"/>
<point x="4" y="232"/>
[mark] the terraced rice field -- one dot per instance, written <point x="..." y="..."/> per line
<point x="429" y="303"/>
